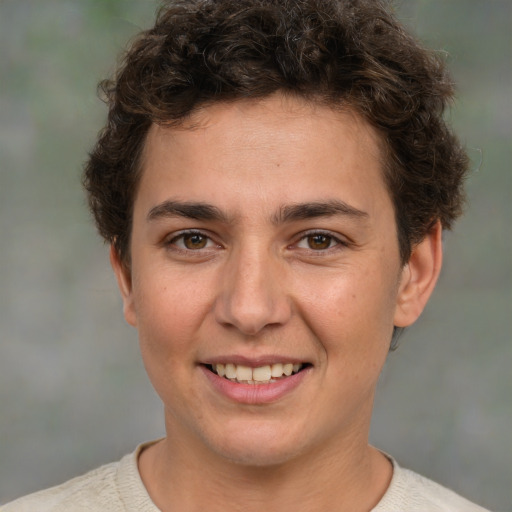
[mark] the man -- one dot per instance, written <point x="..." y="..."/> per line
<point x="273" y="179"/>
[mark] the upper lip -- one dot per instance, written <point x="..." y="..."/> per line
<point x="253" y="362"/>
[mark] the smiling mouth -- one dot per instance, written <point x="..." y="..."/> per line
<point x="259" y="375"/>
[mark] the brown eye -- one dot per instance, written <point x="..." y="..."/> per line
<point x="194" y="241"/>
<point x="319" y="242"/>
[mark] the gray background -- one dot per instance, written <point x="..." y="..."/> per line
<point x="73" y="393"/>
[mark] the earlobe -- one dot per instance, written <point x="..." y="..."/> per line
<point x="419" y="277"/>
<point x="124" y="281"/>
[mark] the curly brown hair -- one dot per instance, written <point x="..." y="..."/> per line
<point x="340" y="53"/>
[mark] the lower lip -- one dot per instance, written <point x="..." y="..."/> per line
<point x="253" y="394"/>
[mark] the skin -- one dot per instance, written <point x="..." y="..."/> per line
<point x="266" y="278"/>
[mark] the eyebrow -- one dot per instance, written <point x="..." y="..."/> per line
<point x="287" y="213"/>
<point x="189" y="210"/>
<point x="311" y="210"/>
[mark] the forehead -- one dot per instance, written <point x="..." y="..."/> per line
<point x="279" y="149"/>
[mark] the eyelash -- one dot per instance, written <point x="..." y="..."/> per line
<point x="190" y="233"/>
<point x="333" y="241"/>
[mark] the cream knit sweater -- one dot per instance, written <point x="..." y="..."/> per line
<point x="117" y="487"/>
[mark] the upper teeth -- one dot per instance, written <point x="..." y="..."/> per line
<point x="265" y="373"/>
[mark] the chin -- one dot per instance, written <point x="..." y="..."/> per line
<point x="258" y="446"/>
<point x="258" y="457"/>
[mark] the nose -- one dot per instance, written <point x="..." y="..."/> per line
<point x="253" y="292"/>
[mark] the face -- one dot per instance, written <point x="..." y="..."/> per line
<point x="265" y="278"/>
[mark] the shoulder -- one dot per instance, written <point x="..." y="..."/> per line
<point x="86" y="492"/>
<point x="114" y="487"/>
<point x="411" y="491"/>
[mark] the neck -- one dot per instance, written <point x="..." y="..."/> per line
<point x="347" y="476"/>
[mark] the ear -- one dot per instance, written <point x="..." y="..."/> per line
<point x="419" y="277"/>
<point x="124" y="281"/>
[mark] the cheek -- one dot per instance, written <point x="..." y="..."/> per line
<point x="169" y="313"/>
<point x="167" y="326"/>
<point x="352" y="314"/>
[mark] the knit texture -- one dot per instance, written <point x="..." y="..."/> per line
<point x="117" y="487"/>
